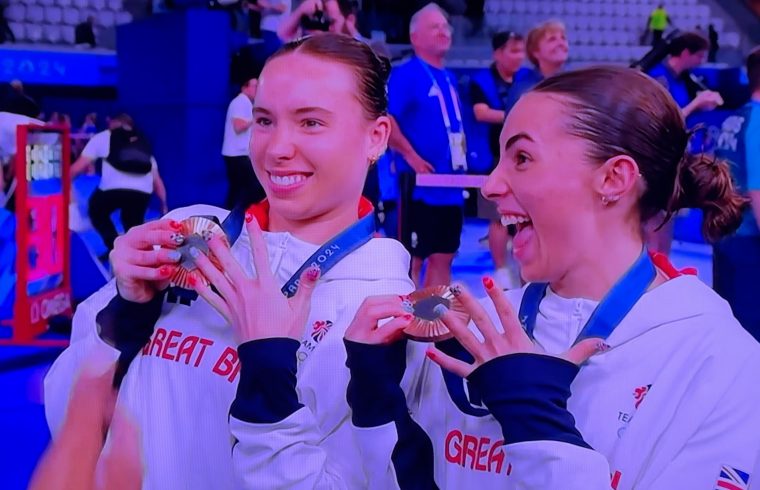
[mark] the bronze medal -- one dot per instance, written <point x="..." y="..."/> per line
<point x="427" y="325"/>
<point x="197" y="230"/>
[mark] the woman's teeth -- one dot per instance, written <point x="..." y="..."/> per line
<point x="287" y="179"/>
<point x="514" y="220"/>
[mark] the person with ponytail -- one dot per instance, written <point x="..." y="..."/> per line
<point x="610" y="368"/>
<point x="239" y="379"/>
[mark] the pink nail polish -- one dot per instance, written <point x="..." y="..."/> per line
<point x="430" y="355"/>
<point x="248" y="217"/>
<point x="312" y="274"/>
<point x="488" y="282"/>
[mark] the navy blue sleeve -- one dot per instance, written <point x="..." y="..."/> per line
<point x="266" y="392"/>
<point x="376" y="398"/>
<point x="127" y="326"/>
<point x="527" y="394"/>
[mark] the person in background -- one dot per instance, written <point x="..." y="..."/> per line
<point x="331" y="14"/>
<point x="658" y="21"/>
<point x="273" y="13"/>
<point x="489" y="93"/>
<point x="84" y="33"/>
<point x="686" y="52"/>
<point x="429" y="136"/>
<point x="130" y="175"/>
<point x="89" y="125"/>
<point x="6" y="34"/>
<point x="712" y="36"/>
<point x="736" y="259"/>
<point x="9" y="121"/>
<point x="243" y="184"/>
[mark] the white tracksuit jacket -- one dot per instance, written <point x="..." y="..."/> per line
<point x="180" y="386"/>
<point x="674" y="404"/>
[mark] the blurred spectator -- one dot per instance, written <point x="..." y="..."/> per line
<point x="18" y="102"/>
<point x="314" y="16"/>
<point x="243" y="185"/>
<point x="736" y="259"/>
<point x="489" y="93"/>
<point x="686" y="52"/>
<point x="58" y="119"/>
<point x="6" y="34"/>
<point x="658" y="21"/>
<point x="475" y="13"/>
<point x="90" y="123"/>
<point x="428" y="133"/>
<point x="130" y="175"/>
<point x="8" y="123"/>
<point x="712" y="36"/>
<point x="84" y="33"/>
<point x="273" y="13"/>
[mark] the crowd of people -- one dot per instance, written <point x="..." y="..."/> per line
<point x="288" y="365"/>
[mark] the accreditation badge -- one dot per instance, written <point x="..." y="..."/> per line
<point x="197" y="230"/>
<point x="458" y="147"/>
<point x="427" y="326"/>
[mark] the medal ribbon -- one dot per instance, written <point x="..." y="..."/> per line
<point x="611" y="310"/>
<point x="326" y="256"/>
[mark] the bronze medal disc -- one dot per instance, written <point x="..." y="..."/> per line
<point x="197" y="231"/>
<point x="427" y="325"/>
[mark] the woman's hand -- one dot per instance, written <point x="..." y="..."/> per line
<point x="140" y="270"/>
<point x="256" y="308"/>
<point x="513" y="340"/>
<point x="364" y="327"/>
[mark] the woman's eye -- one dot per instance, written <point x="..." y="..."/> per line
<point x="263" y="121"/>
<point x="311" y="123"/>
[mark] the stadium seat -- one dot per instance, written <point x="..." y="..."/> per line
<point x="16" y="13"/>
<point x="34" y="32"/>
<point x="68" y="34"/>
<point x="106" y="18"/>
<point x="46" y="3"/>
<point x="35" y="14"/>
<point x="71" y="16"/>
<point x="52" y="33"/>
<point x="18" y="30"/>
<point x="98" y="5"/>
<point x="115" y="5"/>
<point x="123" y="18"/>
<point x="53" y="15"/>
<point x="64" y="3"/>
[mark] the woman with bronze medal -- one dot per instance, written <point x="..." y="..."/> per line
<point x="610" y="368"/>
<point x="228" y="326"/>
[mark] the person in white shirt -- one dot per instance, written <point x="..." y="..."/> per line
<point x="244" y="186"/>
<point x="119" y="189"/>
<point x="610" y="369"/>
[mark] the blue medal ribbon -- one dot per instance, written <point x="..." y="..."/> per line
<point x="611" y="310"/>
<point x="326" y="256"/>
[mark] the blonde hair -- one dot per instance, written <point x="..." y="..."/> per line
<point x="537" y="34"/>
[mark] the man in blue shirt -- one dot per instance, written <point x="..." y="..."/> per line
<point x="429" y="137"/>
<point x="685" y="53"/>
<point x="736" y="260"/>
<point x="489" y="93"/>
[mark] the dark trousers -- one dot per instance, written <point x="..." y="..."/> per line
<point x="736" y="267"/>
<point x="131" y="204"/>
<point x="656" y="37"/>
<point x="243" y="184"/>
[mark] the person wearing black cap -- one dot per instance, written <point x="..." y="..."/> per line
<point x="489" y="92"/>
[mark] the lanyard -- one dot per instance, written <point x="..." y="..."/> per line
<point x="326" y="256"/>
<point x="442" y="101"/>
<point x="612" y="309"/>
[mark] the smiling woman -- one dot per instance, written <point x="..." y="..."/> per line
<point x="610" y="369"/>
<point x="273" y="307"/>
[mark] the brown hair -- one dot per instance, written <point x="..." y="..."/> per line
<point x="753" y="69"/>
<point x="371" y="70"/>
<point x="536" y="35"/>
<point x="621" y="111"/>
<point x="690" y="41"/>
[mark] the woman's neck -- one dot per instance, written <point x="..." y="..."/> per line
<point x="601" y="266"/>
<point x="548" y="69"/>
<point x="317" y="229"/>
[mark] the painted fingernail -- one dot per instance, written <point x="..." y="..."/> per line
<point x="194" y="252"/>
<point x="165" y="271"/>
<point x="488" y="282"/>
<point x="602" y="347"/>
<point x="312" y="273"/>
<point x="175" y="255"/>
<point x="456" y="289"/>
<point x="430" y="354"/>
<point x="175" y="224"/>
<point x="440" y="309"/>
<point x="192" y="281"/>
<point x="248" y="217"/>
<point x="408" y="317"/>
<point x="178" y="238"/>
